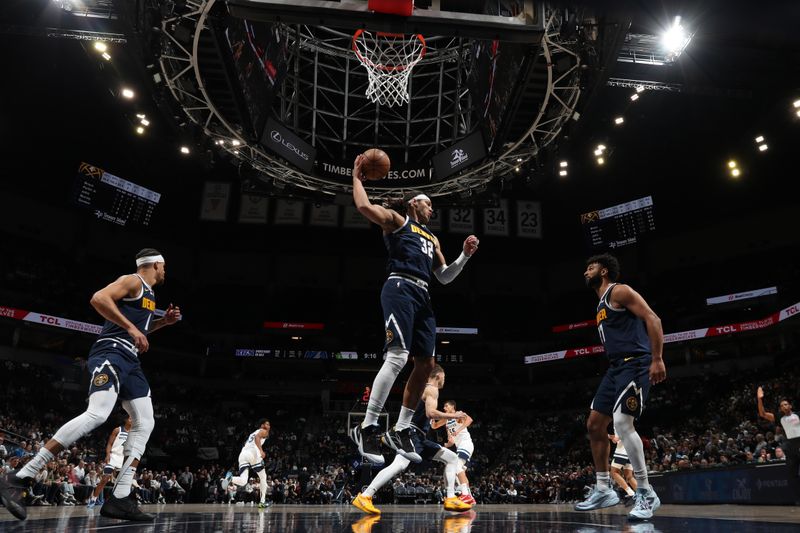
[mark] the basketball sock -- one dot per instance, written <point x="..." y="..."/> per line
<point x="399" y="464"/>
<point x="629" y="491"/>
<point x="464" y="489"/>
<point x="262" y="485"/>
<point x="404" y="418"/>
<point x="36" y="464"/>
<point x="122" y="489"/>
<point x="623" y="424"/>
<point x="382" y="384"/>
<point x="603" y="480"/>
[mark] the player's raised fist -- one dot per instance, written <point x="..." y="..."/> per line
<point x="471" y="245"/>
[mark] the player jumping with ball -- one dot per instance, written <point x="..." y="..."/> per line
<point x="407" y="312"/>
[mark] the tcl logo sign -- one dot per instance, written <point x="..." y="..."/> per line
<point x="726" y="329"/>
<point x="793" y="310"/>
<point x="583" y="351"/>
<point x="50" y="320"/>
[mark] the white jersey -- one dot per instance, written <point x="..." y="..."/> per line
<point x="462" y="437"/>
<point x="791" y="425"/>
<point x="118" y="446"/>
<point x="620" y="451"/>
<point x="253" y="442"/>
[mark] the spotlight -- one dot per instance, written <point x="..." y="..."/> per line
<point x="601" y="161"/>
<point x="444" y="342"/>
<point x="127" y="93"/>
<point x="562" y="173"/>
<point x="601" y="147"/>
<point x="798" y="112"/>
<point x="760" y="139"/>
<point x="236" y="142"/>
<point x="516" y="169"/>
<point x="675" y="40"/>
<point x="519" y="160"/>
<point x="184" y="149"/>
<point x="735" y="172"/>
<point x="140" y="115"/>
<point x="640" y="88"/>
<point x="619" y="120"/>
<point x="145" y="122"/>
<point x="796" y="104"/>
<point x="762" y="147"/>
<point x="634" y="97"/>
<point x="563" y="164"/>
<point x="598" y="152"/>
<point x="236" y="152"/>
<point x="139" y="130"/>
<point x="731" y="164"/>
<point x="297" y="338"/>
<point x="106" y="56"/>
<point x="100" y="46"/>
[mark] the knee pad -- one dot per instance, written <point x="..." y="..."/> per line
<point x="396" y="358"/>
<point x="143" y="422"/>
<point x="623" y="424"/>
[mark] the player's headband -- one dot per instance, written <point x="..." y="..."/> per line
<point x="149" y="259"/>
<point x="420" y="197"/>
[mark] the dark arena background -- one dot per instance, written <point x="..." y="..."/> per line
<point x="222" y="133"/>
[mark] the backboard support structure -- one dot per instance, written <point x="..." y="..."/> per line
<point x="525" y="26"/>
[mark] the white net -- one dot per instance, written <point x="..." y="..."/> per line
<point x="389" y="59"/>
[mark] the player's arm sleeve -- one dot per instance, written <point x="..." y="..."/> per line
<point x="446" y="273"/>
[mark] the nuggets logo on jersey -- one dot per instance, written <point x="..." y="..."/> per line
<point x="632" y="404"/>
<point x="389" y="336"/>
<point x="100" y="380"/>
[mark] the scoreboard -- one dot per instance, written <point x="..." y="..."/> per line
<point x="619" y="225"/>
<point x="112" y="198"/>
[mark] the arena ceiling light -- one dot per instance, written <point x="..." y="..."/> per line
<point x="145" y="122"/>
<point x="100" y="46"/>
<point x="601" y="161"/>
<point x="127" y="93"/>
<point x="732" y="164"/>
<point x="675" y="40"/>
<point x="634" y="97"/>
<point x="619" y="120"/>
<point x="184" y="150"/>
<point x="762" y="143"/>
<point x="796" y="104"/>
<point x="563" y="164"/>
<point x="140" y="130"/>
<point x="106" y="56"/>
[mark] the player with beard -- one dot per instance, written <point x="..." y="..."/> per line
<point x="414" y="253"/>
<point x="633" y="340"/>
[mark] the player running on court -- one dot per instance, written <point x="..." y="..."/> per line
<point x="128" y="305"/>
<point x="633" y="340"/>
<point x="426" y="411"/>
<point x="407" y="312"/>
<point x="114" y="452"/>
<point x="252" y="458"/>
<point x="458" y="436"/>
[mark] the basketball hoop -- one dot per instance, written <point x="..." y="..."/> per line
<point x="388" y="58"/>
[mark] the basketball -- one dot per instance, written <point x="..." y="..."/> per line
<point x="376" y="164"/>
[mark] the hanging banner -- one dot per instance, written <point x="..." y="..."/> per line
<point x="462" y="220"/>
<point x="324" y="215"/>
<point x="282" y="141"/>
<point x="435" y="223"/>
<point x="253" y="209"/>
<point x="529" y="219"/>
<point x="469" y="151"/>
<point x="495" y="220"/>
<point x="354" y="219"/>
<point x="289" y="212"/>
<point x="215" y="201"/>
<point x="680" y="336"/>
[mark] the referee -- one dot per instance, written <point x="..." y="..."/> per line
<point x="791" y="427"/>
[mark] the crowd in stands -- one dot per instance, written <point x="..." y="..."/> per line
<point x="533" y="457"/>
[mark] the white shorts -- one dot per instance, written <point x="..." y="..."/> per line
<point x="114" y="463"/>
<point x="464" y="450"/>
<point x="250" y="458"/>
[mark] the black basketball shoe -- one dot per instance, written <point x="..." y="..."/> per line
<point x="125" y="509"/>
<point x="400" y="441"/>
<point x="368" y="441"/>
<point x="12" y="492"/>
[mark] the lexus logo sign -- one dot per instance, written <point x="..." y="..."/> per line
<point x="279" y="139"/>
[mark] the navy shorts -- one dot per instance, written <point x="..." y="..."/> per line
<point x="112" y="366"/>
<point x="424" y="447"/>
<point x="620" y="462"/>
<point x="625" y="386"/>
<point x="408" y="316"/>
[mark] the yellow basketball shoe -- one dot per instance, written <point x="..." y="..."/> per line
<point x="365" y="504"/>
<point x="454" y="504"/>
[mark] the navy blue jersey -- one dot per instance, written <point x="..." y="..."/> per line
<point x="622" y="333"/>
<point x="410" y="250"/>
<point x="420" y="418"/>
<point x="139" y="310"/>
